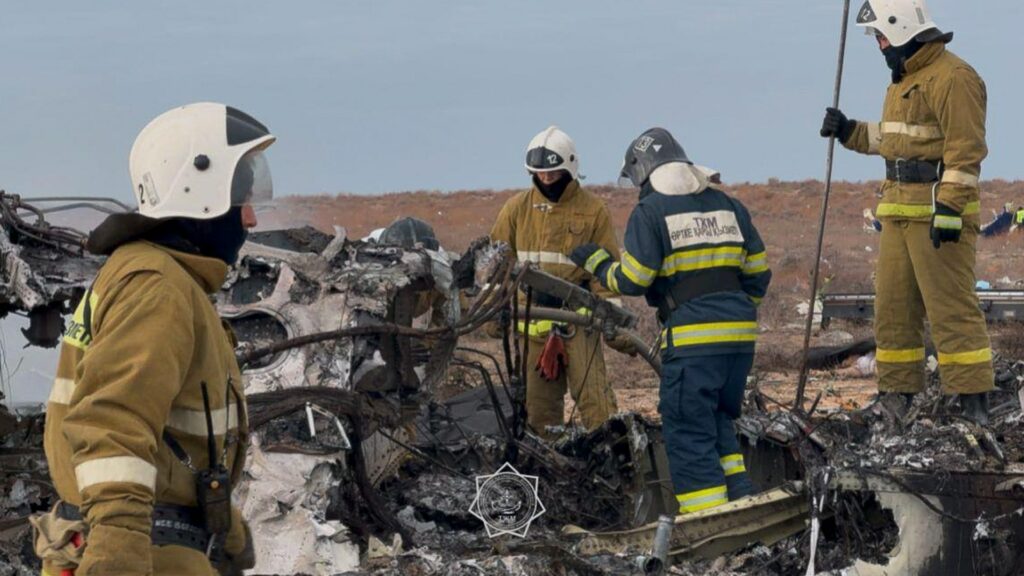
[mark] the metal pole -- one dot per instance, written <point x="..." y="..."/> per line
<point x="801" y="386"/>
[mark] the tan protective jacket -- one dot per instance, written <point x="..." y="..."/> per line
<point x="140" y="343"/>
<point x="936" y="112"/>
<point x="546" y="232"/>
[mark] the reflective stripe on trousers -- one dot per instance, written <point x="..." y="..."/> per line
<point x="702" y="499"/>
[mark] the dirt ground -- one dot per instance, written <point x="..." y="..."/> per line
<point x="786" y="214"/>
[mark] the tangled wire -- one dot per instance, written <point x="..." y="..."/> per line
<point x="67" y="240"/>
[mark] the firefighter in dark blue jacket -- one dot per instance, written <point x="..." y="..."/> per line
<point x="694" y="253"/>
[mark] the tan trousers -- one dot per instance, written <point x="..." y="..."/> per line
<point x="545" y="401"/>
<point x="914" y="280"/>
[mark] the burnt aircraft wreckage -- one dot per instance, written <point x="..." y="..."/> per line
<point x="371" y="418"/>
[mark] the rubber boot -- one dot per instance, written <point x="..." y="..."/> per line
<point x="975" y="408"/>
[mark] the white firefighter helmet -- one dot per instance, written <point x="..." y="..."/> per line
<point x="552" y="150"/>
<point x="900" y="21"/>
<point x="199" y="160"/>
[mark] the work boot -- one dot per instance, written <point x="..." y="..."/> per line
<point x="896" y="404"/>
<point x="975" y="408"/>
<point x="739" y="486"/>
<point x="892" y="408"/>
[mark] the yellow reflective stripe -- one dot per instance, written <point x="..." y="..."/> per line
<point x="960" y="177"/>
<point x="79" y="330"/>
<point x="904" y="210"/>
<point x="874" y="137"/>
<point x="537" y="327"/>
<point x="899" y="356"/>
<point x="949" y="222"/>
<point x="690" y="260"/>
<point x="595" y="260"/>
<point x="544" y="257"/>
<point x="116" y="469"/>
<point x="912" y="130"/>
<point x="702" y="499"/>
<point x="636" y="272"/>
<point x="194" y="421"/>
<point x="611" y="280"/>
<point x="62" y="390"/>
<point x="733" y="464"/>
<point x="756" y="300"/>
<point x="664" y="339"/>
<point x="714" y="333"/>
<point x="755" y="264"/>
<point x="919" y="210"/>
<point x="961" y="358"/>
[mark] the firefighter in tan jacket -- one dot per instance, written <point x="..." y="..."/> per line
<point x="147" y="373"/>
<point x="932" y="136"/>
<point x="544" y="225"/>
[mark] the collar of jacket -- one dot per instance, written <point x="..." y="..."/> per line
<point x="210" y="273"/>
<point x="925" y="56"/>
<point x="678" y="179"/>
<point x="571" y="192"/>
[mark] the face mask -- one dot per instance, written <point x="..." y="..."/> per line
<point x="221" y="237"/>
<point x="896" y="58"/>
<point x="556" y="189"/>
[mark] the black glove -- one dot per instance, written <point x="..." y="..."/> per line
<point x="589" y="257"/>
<point x="464" y="271"/>
<point x="837" y="124"/>
<point x="946" y="225"/>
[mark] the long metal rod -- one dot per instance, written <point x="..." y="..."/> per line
<point x="802" y="385"/>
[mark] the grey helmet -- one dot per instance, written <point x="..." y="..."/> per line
<point x="651" y="149"/>
<point x="407" y="232"/>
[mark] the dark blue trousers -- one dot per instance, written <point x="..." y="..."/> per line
<point x="700" y="398"/>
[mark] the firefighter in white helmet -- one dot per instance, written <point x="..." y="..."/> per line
<point x="932" y="137"/>
<point x="544" y="225"/>
<point x="147" y="381"/>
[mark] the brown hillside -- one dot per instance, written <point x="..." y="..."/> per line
<point x="786" y="213"/>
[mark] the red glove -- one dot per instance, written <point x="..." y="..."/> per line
<point x="553" y="358"/>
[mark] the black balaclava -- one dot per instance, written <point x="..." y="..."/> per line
<point x="221" y="237"/>
<point x="896" y="58"/>
<point x="556" y="189"/>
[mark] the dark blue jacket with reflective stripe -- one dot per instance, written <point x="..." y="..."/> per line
<point x="694" y="237"/>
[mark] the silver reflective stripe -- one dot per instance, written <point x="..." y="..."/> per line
<point x="718" y="332"/>
<point x="544" y="257"/>
<point x="733" y="465"/>
<point x="756" y="263"/>
<point x="615" y="301"/>
<point x="728" y="257"/>
<point x="960" y="177"/>
<point x="717" y="495"/>
<point x="874" y="137"/>
<point x="62" y="390"/>
<point x="632" y="271"/>
<point x="912" y="130"/>
<point x="194" y="421"/>
<point x="116" y="469"/>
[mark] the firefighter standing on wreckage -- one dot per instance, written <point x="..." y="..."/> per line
<point x="145" y="426"/>
<point x="932" y="136"/>
<point x="694" y="253"/>
<point x="544" y="225"/>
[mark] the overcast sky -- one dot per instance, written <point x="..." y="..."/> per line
<point x="374" y="96"/>
<point x="379" y="95"/>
